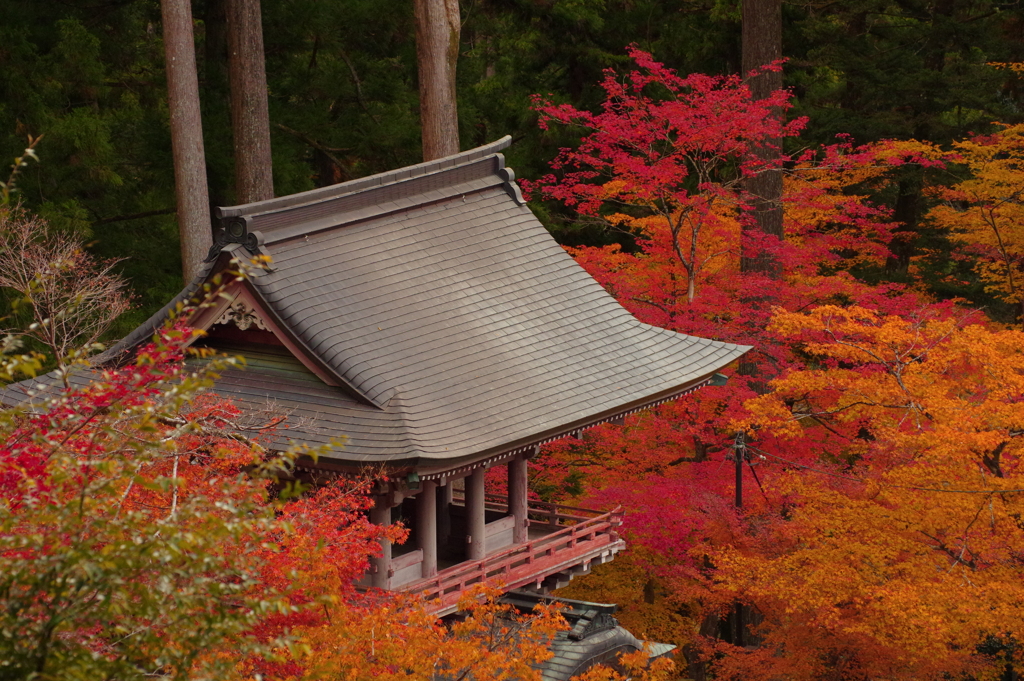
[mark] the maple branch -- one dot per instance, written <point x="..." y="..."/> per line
<point x="835" y="339"/>
<point x="711" y="257"/>
<point x="174" y="486"/>
<point x="859" y="403"/>
<point x="827" y="427"/>
<point x="651" y="303"/>
<point x="942" y="547"/>
<point x="128" y="489"/>
<point x="989" y="217"/>
<point x="73" y="431"/>
<point x="864" y="482"/>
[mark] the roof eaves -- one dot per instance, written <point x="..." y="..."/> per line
<point x="432" y="467"/>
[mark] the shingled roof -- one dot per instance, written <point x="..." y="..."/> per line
<point x="434" y="322"/>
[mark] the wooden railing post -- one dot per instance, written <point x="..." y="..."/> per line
<point x="520" y="564"/>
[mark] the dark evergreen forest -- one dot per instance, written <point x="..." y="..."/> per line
<point x="88" y="75"/>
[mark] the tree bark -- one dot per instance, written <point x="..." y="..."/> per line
<point x="905" y="216"/>
<point x="186" y="136"/>
<point x="762" y="44"/>
<point x="438" y="31"/>
<point x="250" y="115"/>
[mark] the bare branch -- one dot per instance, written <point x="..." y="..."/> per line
<point x="73" y="297"/>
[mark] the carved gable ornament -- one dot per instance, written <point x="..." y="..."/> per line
<point x="243" y="315"/>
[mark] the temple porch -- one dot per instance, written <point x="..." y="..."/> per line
<point x="563" y="542"/>
<point x="461" y="536"/>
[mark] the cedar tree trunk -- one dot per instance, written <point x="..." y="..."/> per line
<point x="438" y="31"/>
<point x="250" y="117"/>
<point x="186" y="136"/>
<point x="762" y="44"/>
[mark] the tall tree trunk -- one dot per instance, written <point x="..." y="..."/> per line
<point x="438" y="31"/>
<point x="762" y="44"/>
<point x="186" y="136"/>
<point x="905" y="215"/>
<point x="250" y="116"/>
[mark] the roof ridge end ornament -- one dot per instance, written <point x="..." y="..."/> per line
<point x="508" y="178"/>
<point x="237" y="230"/>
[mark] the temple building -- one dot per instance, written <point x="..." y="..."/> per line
<point x="425" y="317"/>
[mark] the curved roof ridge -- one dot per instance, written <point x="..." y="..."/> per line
<point x="364" y="183"/>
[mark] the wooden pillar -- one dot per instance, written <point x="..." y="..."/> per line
<point x="476" y="546"/>
<point x="380" y="567"/>
<point x="426" y="525"/>
<point x="517" y="487"/>
<point x="443" y="497"/>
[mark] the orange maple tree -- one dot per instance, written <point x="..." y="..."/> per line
<point x="985" y="211"/>
<point x="899" y="557"/>
<point x="397" y="638"/>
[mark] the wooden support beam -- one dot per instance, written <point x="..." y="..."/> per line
<point x="517" y="490"/>
<point x="476" y="544"/>
<point x="380" y="567"/>
<point x="443" y="497"/>
<point x="426" y="526"/>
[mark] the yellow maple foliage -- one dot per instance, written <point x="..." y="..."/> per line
<point x="904" y="560"/>
<point x="985" y="212"/>
<point x="402" y="640"/>
<point x="647" y="608"/>
<point x="635" y="666"/>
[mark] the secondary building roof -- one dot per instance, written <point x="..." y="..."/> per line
<point x="428" y="317"/>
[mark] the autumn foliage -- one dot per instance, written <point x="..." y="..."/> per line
<point x="898" y="558"/>
<point x="879" y="534"/>
<point x="984" y="211"/>
<point x="141" y="533"/>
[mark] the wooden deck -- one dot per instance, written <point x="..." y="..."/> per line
<point x="564" y="541"/>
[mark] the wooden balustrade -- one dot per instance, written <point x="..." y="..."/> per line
<point x="405" y="569"/>
<point x="530" y="562"/>
<point x="539" y="512"/>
